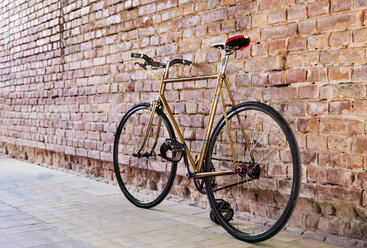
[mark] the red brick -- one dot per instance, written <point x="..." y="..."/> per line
<point x="242" y="23"/>
<point x="317" y="175"/>
<point x="360" y="3"/>
<point x="213" y="16"/>
<point x="270" y="4"/>
<point x="308" y="125"/>
<point x="242" y="9"/>
<point x="264" y="64"/>
<point x="295" y="76"/>
<point x="318" y="8"/>
<point x="339" y="194"/>
<point x="316" y="74"/>
<point x="346" y="55"/>
<point x="147" y="9"/>
<point x="359" y="35"/>
<point x="317" y="108"/>
<point x="339" y="143"/>
<point x="277" y="47"/>
<point x="297" y="13"/>
<point x="191" y="21"/>
<point x="279" y="93"/>
<point x="359" y="107"/>
<point x="340" y="5"/>
<point x="343" y="178"/>
<point x="362" y="180"/>
<point x="317" y="142"/>
<point x="364" y="200"/>
<point x="259" y="79"/>
<point x="286" y="30"/>
<point x="359" y="145"/>
<point x="297" y="108"/>
<point x="298" y="43"/>
<point x="162" y="5"/>
<point x="243" y="80"/>
<point x="259" y="49"/>
<point x="342" y="38"/>
<point x="302" y="59"/>
<point x="345" y="127"/>
<point x="259" y="20"/>
<point x="307" y="26"/>
<point x="340" y="106"/>
<point x="277" y="77"/>
<point x="310" y="91"/>
<point x="340" y="21"/>
<point x="340" y="73"/>
<point x="354" y="90"/>
<point x="330" y="159"/>
<point x="359" y="73"/>
<point x="277" y="16"/>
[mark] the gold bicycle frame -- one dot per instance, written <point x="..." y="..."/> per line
<point x="161" y="101"/>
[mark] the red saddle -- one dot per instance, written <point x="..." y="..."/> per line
<point x="240" y="42"/>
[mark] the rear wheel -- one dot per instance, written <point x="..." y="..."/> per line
<point x="144" y="178"/>
<point x="255" y="203"/>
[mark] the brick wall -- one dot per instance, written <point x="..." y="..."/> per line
<point x="66" y="78"/>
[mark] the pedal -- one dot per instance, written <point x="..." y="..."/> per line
<point x="225" y="209"/>
<point x="175" y="148"/>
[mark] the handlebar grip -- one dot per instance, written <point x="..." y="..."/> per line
<point x="136" y="55"/>
<point x="187" y="62"/>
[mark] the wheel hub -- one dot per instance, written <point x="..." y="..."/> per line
<point x="250" y="170"/>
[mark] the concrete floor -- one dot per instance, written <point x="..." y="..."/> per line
<point x="42" y="207"/>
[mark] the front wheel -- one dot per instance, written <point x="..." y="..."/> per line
<point x="144" y="177"/>
<point x="256" y="202"/>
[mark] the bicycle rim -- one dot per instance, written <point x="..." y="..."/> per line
<point x="145" y="180"/>
<point x="264" y="193"/>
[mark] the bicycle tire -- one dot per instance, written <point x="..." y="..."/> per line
<point x="249" y="204"/>
<point x="134" y="179"/>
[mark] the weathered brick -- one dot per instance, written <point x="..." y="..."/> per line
<point x="213" y="16"/>
<point x="340" y="21"/>
<point x="297" y="13"/>
<point x="316" y="74"/>
<point x="264" y="64"/>
<point x="295" y="76"/>
<point x="317" y="142"/>
<point x="318" y="8"/>
<point x="346" y="55"/>
<point x="311" y="91"/>
<point x="296" y="44"/>
<point x="359" y="35"/>
<point x="338" y="193"/>
<point x="277" y="47"/>
<point x="307" y="26"/>
<point x="340" y="5"/>
<point x="345" y="127"/>
<point x="302" y="59"/>
<point x="277" y="16"/>
<point x="277" y="77"/>
<point x="359" y="145"/>
<point x="317" y="108"/>
<point x="340" y="106"/>
<point x="282" y="31"/>
<point x="340" y="73"/>
<point x="242" y="9"/>
<point x="308" y="125"/>
<point x="280" y="93"/>
<point x="342" y="38"/>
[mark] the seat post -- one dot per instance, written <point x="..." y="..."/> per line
<point x="225" y="62"/>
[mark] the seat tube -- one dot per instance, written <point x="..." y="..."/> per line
<point x="224" y="63"/>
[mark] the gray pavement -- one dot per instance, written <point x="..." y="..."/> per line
<point x="42" y="207"/>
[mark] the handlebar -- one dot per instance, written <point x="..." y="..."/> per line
<point x="151" y="62"/>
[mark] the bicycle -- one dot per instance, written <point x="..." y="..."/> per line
<point x="249" y="166"/>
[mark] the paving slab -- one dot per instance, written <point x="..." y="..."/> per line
<point x="43" y="207"/>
